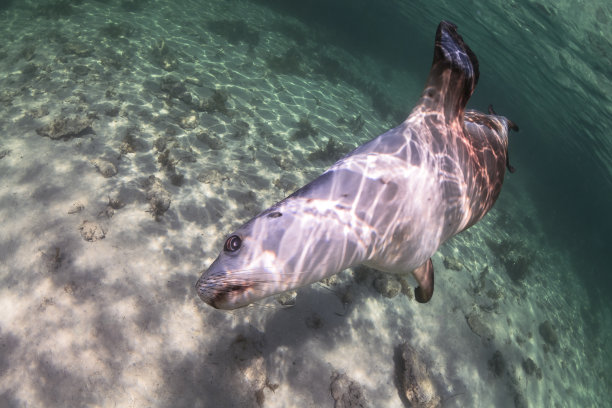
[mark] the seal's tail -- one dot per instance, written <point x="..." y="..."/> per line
<point x="453" y="75"/>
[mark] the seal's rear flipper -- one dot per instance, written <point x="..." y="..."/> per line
<point x="424" y="274"/>
<point x="453" y="75"/>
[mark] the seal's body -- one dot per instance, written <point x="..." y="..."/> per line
<point x="389" y="204"/>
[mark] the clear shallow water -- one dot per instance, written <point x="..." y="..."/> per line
<point x="114" y="320"/>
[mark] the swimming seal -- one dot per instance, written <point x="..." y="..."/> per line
<point x="389" y="204"/>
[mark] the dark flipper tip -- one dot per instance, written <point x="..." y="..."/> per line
<point x="513" y="125"/>
<point x="511" y="168"/>
<point x="451" y="51"/>
<point x="453" y="75"/>
<point x="421" y="296"/>
<point x="424" y="274"/>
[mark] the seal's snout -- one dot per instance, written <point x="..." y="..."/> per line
<point x="219" y="293"/>
<point x="204" y="292"/>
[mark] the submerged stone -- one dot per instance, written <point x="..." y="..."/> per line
<point x="346" y="392"/>
<point x="158" y="197"/>
<point x="66" y="128"/>
<point x="91" y="231"/>
<point x="416" y="383"/>
<point x="548" y="333"/>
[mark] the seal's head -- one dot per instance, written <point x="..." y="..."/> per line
<point x="266" y="256"/>
<point x="244" y="271"/>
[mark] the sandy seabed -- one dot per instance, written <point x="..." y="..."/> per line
<point x="132" y="141"/>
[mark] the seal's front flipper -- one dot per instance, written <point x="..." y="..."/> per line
<point x="424" y="274"/>
<point x="512" y="126"/>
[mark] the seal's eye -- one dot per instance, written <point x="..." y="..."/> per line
<point x="232" y="244"/>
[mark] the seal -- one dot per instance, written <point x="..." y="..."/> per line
<point x="388" y="204"/>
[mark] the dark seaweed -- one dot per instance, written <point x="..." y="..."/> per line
<point x="305" y="129"/>
<point x="289" y="63"/>
<point x="235" y="32"/>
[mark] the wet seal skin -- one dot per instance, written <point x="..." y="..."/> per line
<point x="389" y="204"/>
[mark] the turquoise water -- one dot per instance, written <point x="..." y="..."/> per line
<point x="135" y="134"/>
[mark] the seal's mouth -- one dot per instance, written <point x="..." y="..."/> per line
<point x="227" y="296"/>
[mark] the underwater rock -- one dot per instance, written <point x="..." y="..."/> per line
<point x="29" y="71"/>
<point x="112" y="205"/>
<point x="387" y="285"/>
<point x="212" y="176"/>
<point x="286" y="182"/>
<point x="415" y="381"/>
<point x="452" y="263"/>
<point x="531" y="368"/>
<point x="516" y="257"/>
<point x="480" y="283"/>
<point x="186" y="97"/>
<point x="80" y="70"/>
<point x="28" y="52"/>
<point x="193" y="81"/>
<point x="346" y="392"/>
<point x="165" y="161"/>
<point x="132" y="142"/>
<point x="240" y="129"/>
<point x="77" y="48"/>
<point x="174" y="87"/>
<point x="211" y="140"/>
<point x="497" y="364"/>
<point x="104" y="167"/>
<point x="362" y="273"/>
<point x="548" y="333"/>
<point x="76" y="207"/>
<point x="117" y="30"/>
<point x="475" y="323"/>
<point x="216" y="103"/>
<point x="406" y="287"/>
<point x="287" y="298"/>
<point x="158" y="197"/>
<point x="66" y="128"/>
<point x="283" y="162"/>
<point x="161" y="143"/>
<point x="92" y="231"/>
<point x="37" y="113"/>
<point x="112" y="111"/>
<point x="177" y="179"/>
<point x="189" y="122"/>
<point x="170" y="157"/>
